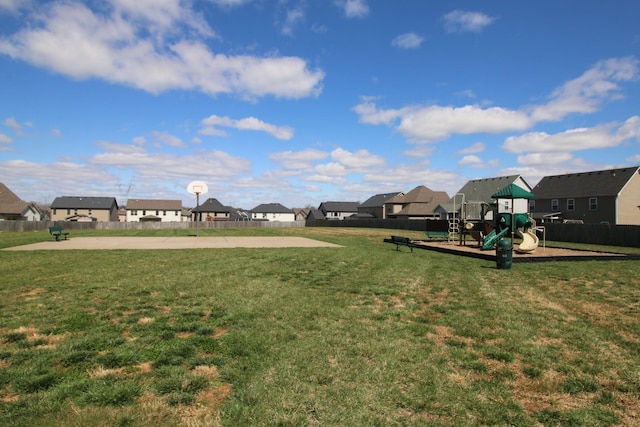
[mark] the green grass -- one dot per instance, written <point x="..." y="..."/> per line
<point x="359" y="335"/>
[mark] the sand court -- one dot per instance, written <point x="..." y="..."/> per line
<point x="188" y="242"/>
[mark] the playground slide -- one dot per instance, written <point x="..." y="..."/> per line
<point x="529" y="241"/>
<point x="492" y="238"/>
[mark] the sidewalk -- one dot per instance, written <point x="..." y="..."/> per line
<point x="193" y="242"/>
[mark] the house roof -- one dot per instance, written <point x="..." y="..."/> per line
<point x="481" y="190"/>
<point x="513" y="191"/>
<point x="151" y="204"/>
<point x="585" y="184"/>
<point x="378" y="200"/>
<point x="271" y="208"/>
<point x="10" y="203"/>
<point x="212" y="205"/>
<point x="420" y="194"/>
<point x="67" y="202"/>
<point x="339" y="206"/>
<point x="315" y="214"/>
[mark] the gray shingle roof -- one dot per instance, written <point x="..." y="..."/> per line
<point x="339" y="206"/>
<point x="212" y="205"/>
<point x="271" y="208"/>
<point x="67" y="202"/>
<point x="480" y="190"/>
<point x="378" y="200"/>
<point x="585" y="184"/>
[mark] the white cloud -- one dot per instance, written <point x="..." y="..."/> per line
<point x="354" y="8"/>
<point x="56" y="132"/>
<point x="544" y="159"/>
<point x="212" y="123"/>
<point x="167" y="139"/>
<point x="602" y="136"/>
<point x="299" y="160"/>
<point x="460" y="21"/>
<point x="425" y="124"/>
<point x="207" y="165"/>
<point x="589" y="91"/>
<point x="357" y="161"/>
<point x="13" y="6"/>
<point x="407" y="41"/>
<point x="14" y="125"/>
<point x="153" y="46"/>
<point x="478" y="147"/>
<point x="230" y="3"/>
<point x="293" y="18"/>
<point x="435" y="123"/>
<point x="469" y="159"/>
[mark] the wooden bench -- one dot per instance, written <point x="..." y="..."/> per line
<point x="402" y="241"/>
<point x="58" y="233"/>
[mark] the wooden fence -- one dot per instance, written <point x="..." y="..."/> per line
<point x="599" y="234"/>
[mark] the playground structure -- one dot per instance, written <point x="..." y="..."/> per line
<point x="489" y="223"/>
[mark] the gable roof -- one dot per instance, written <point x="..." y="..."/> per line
<point x="378" y="200"/>
<point x="339" y="206"/>
<point x="10" y="203"/>
<point x="151" y="204"/>
<point x="585" y="184"/>
<point x="420" y="194"/>
<point x="482" y="190"/>
<point x="271" y="208"/>
<point x="513" y="191"/>
<point x="211" y="205"/>
<point x="67" y="202"/>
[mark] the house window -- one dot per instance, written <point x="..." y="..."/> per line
<point x="75" y="211"/>
<point x="177" y="213"/>
<point x="134" y="212"/>
<point x="593" y="203"/>
<point x="68" y="211"/>
<point x="157" y="213"/>
<point x="571" y="204"/>
<point x="164" y="213"/>
<point x="89" y="212"/>
<point x="555" y="205"/>
<point x="54" y="211"/>
<point x="144" y="213"/>
<point x="264" y="215"/>
<point x="532" y="205"/>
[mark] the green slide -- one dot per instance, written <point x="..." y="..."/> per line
<point x="491" y="239"/>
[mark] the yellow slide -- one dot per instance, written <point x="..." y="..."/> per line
<point x="529" y="242"/>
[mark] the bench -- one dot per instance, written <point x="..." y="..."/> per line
<point x="433" y="234"/>
<point x="58" y="233"/>
<point x="402" y="241"/>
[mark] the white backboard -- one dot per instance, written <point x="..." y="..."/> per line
<point x="197" y="187"/>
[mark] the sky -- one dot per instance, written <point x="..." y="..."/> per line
<point x="300" y="102"/>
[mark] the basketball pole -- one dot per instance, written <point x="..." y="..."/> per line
<point x="197" y="210"/>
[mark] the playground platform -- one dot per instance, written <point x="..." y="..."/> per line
<point x="541" y="254"/>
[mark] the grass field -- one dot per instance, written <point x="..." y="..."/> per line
<point x="362" y="335"/>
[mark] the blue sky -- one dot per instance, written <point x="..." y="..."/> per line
<point x="304" y="101"/>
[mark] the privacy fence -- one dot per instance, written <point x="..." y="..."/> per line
<point x="599" y="234"/>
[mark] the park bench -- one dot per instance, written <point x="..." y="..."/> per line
<point x="402" y="241"/>
<point x="58" y="233"/>
<point x="435" y="234"/>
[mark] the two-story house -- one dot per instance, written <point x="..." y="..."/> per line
<point x="212" y="210"/>
<point x="84" y="209"/>
<point x="606" y="196"/>
<point x="338" y="210"/>
<point x="150" y="210"/>
<point x="272" y="212"/>
<point x="373" y="207"/>
<point x="419" y="203"/>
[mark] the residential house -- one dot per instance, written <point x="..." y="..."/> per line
<point x="84" y="209"/>
<point x="153" y="210"/>
<point x="301" y="214"/>
<point x="315" y="214"/>
<point x="272" y="212"/>
<point x="373" y="207"/>
<point x="12" y="208"/>
<point x="211" y="210"/>
<point x="419" y="203"/>
<point x="476" y="195"/>
<point x="338" y="210"/>
<point x="606" y="196"/>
